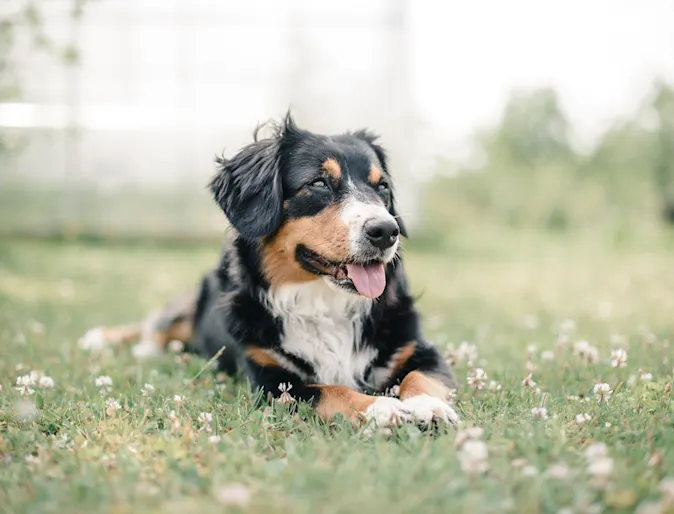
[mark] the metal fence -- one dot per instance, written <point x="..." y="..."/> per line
<point x="123" y="143"/>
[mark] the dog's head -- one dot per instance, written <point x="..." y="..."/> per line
<point x="320" y="206"/>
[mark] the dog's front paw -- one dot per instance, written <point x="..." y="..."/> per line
<point x="387" y="412"/>
<point x="427" y="409"/>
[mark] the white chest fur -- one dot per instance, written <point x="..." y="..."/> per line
<point x="323" y="326"/>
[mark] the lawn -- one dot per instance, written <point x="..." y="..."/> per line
<point x="195" y="442"/>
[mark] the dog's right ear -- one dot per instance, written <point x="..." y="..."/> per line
<point x="249" y="189"/>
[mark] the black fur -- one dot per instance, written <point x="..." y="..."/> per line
<point x="259" y="189"/>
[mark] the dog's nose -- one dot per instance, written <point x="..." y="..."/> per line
<point x="382" y="233"/>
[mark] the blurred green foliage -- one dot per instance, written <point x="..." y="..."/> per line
<point x="531" y="177"/>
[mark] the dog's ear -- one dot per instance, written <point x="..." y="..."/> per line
<point x="249" y="186"/>
<point x="371" y="140"/>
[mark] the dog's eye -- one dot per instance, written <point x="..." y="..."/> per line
<point x="382" y="187"/>
<point x="321" y="183"/>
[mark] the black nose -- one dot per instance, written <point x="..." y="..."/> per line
<point x="382" y="233"/>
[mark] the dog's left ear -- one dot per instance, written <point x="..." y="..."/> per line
<point x="371" y="140"/>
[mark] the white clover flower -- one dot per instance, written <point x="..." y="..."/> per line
<point x="602" y="392"/>
<point x="558" y="471"/>
<point x="646" y="377"/>
<point x="46" y="382"/>
<point x="112" y="406"/>
<point x="494" y="386"/>
<point x="285" y="397"/>
<point x="582" y="418"/>
<point x="585" y="351"/>
<point x="477" y="378"/>
<point x="473" y="457"/>
<point x="539" y="412"/>
<point x="467" y="434"/>
<point x="205" y="419"/>
<point x="147" y="390"/>
<point x="175" y="346"/>
<point x="595" y="451"/>
<point x="104" y="384"/>
<point x="619" y="358"/>
<point x="532" y="350"/>
<point x="178" y="399"/>
<point x="528" y="381"/>
<point x="529" y="471"/>
<point x="24" y="384"/>
<point x="548" y="356"/>
<point x="214" y="439"/>
<point x="467" y="353"/>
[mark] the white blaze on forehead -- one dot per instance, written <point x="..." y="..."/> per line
<point x="355" y="213"/>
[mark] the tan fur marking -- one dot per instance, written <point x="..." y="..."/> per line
<point x="179" y="331"/>
<point x="416" y="383"/>
<point x="332" y="168"/>
<point x="324" y="234"/>
<point x="342" y="400"/>
<point x="260" y="357"/>
<point x="122" y="333"/>
<point x="375" y="175"/>
<point x="402" y="356"/>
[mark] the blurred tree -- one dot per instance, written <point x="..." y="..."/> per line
<point x="24" y="18"/>
<point x="663" y="106"/>
<point x="533" y="131"/>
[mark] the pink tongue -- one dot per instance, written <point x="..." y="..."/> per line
<point x="370" y="280"/>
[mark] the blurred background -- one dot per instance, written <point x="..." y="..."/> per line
<point x="529" y="116"/>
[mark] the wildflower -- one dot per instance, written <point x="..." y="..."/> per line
<point x="585" y="351"/>
<point x="558" y="471"/>
<point x="529" y="471"/>
<point x="539" y="412"/>
<point x="104" y="384"/>
<point x="477" y="378"/>
<point x="112" y="406"/>
<point x="467" y="434"/>
<point x="528" y="381"/>
<point x="285" y="397"/>
<point x="645" y="377"/>
<point x="175" y="420"/>
<point x="147" y="390"/>
<point x="205" y="418"/>
<point x="233" y="494"/>
<point x="619" y="358"/>
<point x="602" y="392"/>
<point x="214" y="439"/>
<point x="178" y="399"/>
<point x="467" y="353"/>
<point x="46" y="382"/>
<point x="450" y="355"/>
<point x="494" y="385"/>
<point x="532" y="349"/>
<point x="582" y="418"/>
<point x="24" y="385"/>
<point x="595" y="451"/>
<point x="473" y="457"/>
<point x="548" y="356"/>
<point x="529" y="366"/>
<point x="62" y="442"/>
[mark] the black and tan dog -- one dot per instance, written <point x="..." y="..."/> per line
<point x="310" y="291"/>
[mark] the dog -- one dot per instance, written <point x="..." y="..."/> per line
<point x="310" y="297"/>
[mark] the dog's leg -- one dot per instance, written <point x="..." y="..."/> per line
<point x="424" y="381"/>
<point x="266" y="369"/>
<point x="173" y="322"/>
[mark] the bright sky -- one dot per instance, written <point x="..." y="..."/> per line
<point x="602" y="55"/>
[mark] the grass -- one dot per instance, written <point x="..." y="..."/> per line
<point x="66" y="450"/>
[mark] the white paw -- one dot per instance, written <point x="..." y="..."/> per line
<point x="387" y="412"/>
<point x="426" y="409"/>
<point x="146" y="350"/>
<point x="93" y="340"/>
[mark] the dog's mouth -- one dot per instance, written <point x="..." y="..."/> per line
<point x="367" y="278"/>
